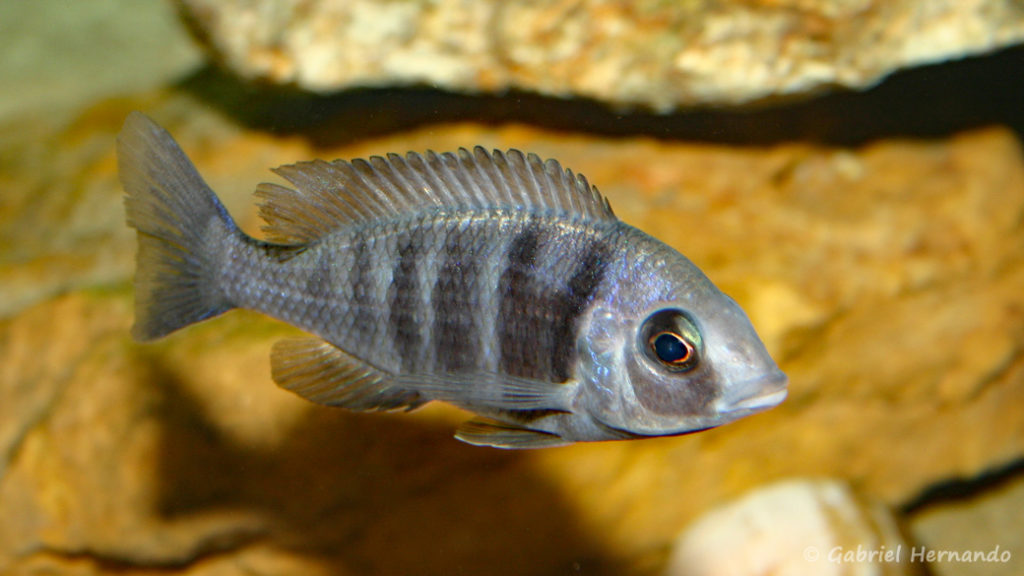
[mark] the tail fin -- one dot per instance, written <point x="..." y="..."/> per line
<point x="181" y="229"/>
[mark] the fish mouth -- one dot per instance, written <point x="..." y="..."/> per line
<point x="744" y="398"/>
<point x="756" y="394"/>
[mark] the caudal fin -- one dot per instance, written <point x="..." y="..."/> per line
<point x="182" y="227"/>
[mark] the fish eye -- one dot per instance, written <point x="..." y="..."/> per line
<point x="672" y="349"/>
<point x="672" y="340"/>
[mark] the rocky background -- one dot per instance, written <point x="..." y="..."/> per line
<point x="876" y="238"/>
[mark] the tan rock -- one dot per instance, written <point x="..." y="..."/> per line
<point x="904" y="358"/>
<point x="658" y="54"/>
<point x="62" y="223"/>
<point x="981" y="521"/>
<point x="255" y="559"/>
<point x="156" y="457"/>
<point x="79" y="477"/>
<point x="887" y="280"/>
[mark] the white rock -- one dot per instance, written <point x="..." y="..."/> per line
<point x="794" y="528"/>
<point x="658" y="54"/>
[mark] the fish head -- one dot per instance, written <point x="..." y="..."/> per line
<point x="666" y="352"/>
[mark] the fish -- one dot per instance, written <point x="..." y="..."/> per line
<point x="494" y="281"/>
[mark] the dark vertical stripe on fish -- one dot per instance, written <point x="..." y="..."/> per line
<point x="517" y="310"/>
<point x="539" y="317"/>
<point x="567" y="308"/>
<point x="455" y="334"/>
<point x="363" y="287"/>
<point x="318" y="282"/>
<point x="404" y="301"/>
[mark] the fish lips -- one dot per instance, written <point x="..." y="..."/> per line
<point x="754" y="395"/>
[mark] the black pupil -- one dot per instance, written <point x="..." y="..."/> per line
<point x="670" y="348"/>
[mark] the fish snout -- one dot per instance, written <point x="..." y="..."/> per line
<point x="755" y="394"/>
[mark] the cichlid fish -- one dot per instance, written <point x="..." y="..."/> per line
<point x="494" y="281"/>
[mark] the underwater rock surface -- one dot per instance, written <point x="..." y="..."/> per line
<point x="886" y="279"/>
<point x="662" y="55"/>
<point x="993" y="518"/>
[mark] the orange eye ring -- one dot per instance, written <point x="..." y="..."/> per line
<point x="673" y="350"/>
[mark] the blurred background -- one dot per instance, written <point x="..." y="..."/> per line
<point x="849" y="170"/>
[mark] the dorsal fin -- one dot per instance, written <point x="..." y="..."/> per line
<point x="330" y="195"/>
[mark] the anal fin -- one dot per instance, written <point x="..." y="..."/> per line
<point x="486" y="432"/>
<point x="325" y="374"/>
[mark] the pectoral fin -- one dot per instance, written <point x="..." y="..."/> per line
<point x="488" y="389"/>
<point x="323" y="373"/>
<point x="485" y="432"/>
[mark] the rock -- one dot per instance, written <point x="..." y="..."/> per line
<point x="858" y="272"/>
<point x="793" y="528"/>
<point x="257" y="559"/>
<point x="90" y="497"/>
<point x="663" y="55"/>
<point x="160" y="458"/>
<point x="983" y="521"/>
<point x="58" y="58"/>
<point x="857" y="264"/>
<point x="67" y="174"/>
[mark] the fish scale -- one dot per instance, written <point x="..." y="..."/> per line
<point x="495" y="281"/>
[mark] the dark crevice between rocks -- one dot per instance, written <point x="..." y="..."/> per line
<point x="965" y="489"/>
<point x="370" y="493"/>
<point x="927" y="102"/>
